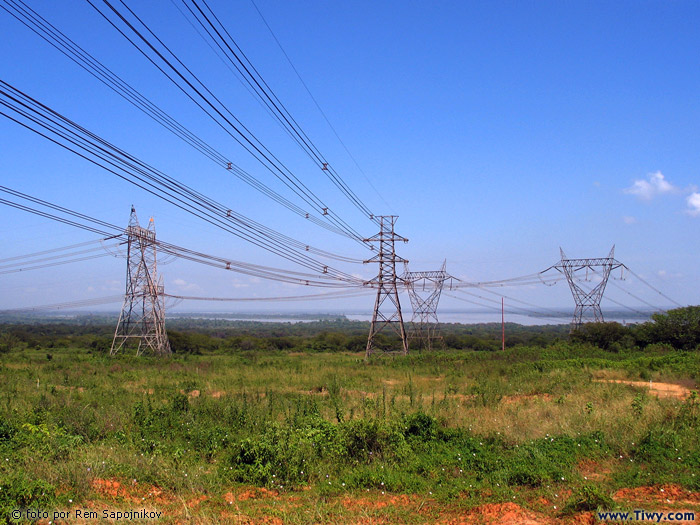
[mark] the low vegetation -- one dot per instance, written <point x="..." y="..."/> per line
<point x="295" y="408"/>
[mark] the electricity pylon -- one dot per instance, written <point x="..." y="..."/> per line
<point x="387" y="308"/>
<point x="142" y="317"/>
<point x="424" y="323"/>
<point x="587" y="302"/>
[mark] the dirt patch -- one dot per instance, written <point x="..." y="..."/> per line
<point x="662" y="494"/>
<point x="401" y="500"/>
<point x="526" y="397"/>
<point x="361" y="393"/>
<point x="593" y="470"/>
<point x="196" y="501"/>
<point x="191" y="393"/>
<point x="135" y="493"/>
<point x="254" y="493"/>
<point x="111" y="488"/>
<point x="500" y="514"/>
<point x="63" y="387"/>
<point x="663" y="390"/>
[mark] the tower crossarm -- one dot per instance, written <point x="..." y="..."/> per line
<point x="579" y="264"/>
<point x="587" y="301"/>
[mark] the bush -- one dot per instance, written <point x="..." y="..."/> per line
<point x="586" y="499"/>
<point x="17" y="491"/>
<point x="608" y="336"/>
<point x="679" y="327"/>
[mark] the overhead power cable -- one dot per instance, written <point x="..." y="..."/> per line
<point x="654" y="288"/>
<point x="29" y="113"/>
<point x="32" y="20"/>
<point x="318" y="106"/>
<point x="54" y="263"/>
<point x="184" y="79"/>
<point x="50" y="258"/>
<point x="523" y="280"/>
<point x="68" y="304"/>
<point x="49" y="251"/>
<point x="513" y="299"/>
<point x="220" y="36"/>
<point x="512" y="309"/>
<point x="498" y="309"/>
<point x="308" y="297"/>
<point x="588" y="289"/>
<point x="88" y="223"/>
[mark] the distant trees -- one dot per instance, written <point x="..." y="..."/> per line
<point x="608" y="336"/>
<point x="8" y="341"/>
<point x="679" y="327"/>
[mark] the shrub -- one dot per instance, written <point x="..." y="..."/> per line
<point x="18" y="491"/>
<point x="587" y="498"/>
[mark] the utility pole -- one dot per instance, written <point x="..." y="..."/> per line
<point x="587" y="301"/>
<point x="503" y="324"/>
<point x="142" y="317"/>
<point x="424" y="323"/>
<point x="387" y="308"/>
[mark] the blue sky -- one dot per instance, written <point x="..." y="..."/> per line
<point x="497" y="131"/>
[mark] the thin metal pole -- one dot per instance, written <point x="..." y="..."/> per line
<point x="503" y="325"/>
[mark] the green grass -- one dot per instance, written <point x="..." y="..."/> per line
<point x="450" y="424"/>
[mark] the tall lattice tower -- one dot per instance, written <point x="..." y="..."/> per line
<point x="387" y="308"/>
<point x="424" y="289"/>
<point x="587" y="301"/>
<point x="142" y="319"/>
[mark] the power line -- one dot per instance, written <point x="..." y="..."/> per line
<point x="127" y="167"/>
<point x="527" y="312"/>
<point x="237" y="57"/>
<point x="653" y="288"/>
<point x="185" y="80"/>
<point x="103" y="228"/>
<point x="32" y="20"/>
<point x="52" y="250"/>
<point x="318" y="106"/>
<point x="68" y="304"/>
<point x="309" y="297"/>
<point x="36" y="261"/>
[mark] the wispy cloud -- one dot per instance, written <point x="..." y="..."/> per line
<point x="693" y="201"/>
<point x="629" y="220"/>
<point x="664" y="275"/>
<point x="646" y="189"/>
<point x="185" y="286"/>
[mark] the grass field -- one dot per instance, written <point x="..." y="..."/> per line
<point x="276" y="437"/>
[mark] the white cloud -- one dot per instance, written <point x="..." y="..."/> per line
<point x="693" y="201"/>
<point x="112" y="285"/>
<point x="664" y="275"/>
<point x="656" y="184"/>
<point x="185" y="286"/>
<point x="629" y="220"/>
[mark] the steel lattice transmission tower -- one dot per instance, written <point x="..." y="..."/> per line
<point x="587" y="302"/>
<point x="387" y="308"/>
<point x="424" y="289"/>
<point x="142" y="318"/>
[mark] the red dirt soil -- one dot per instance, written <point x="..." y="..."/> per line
<point x="662" y="494"/>
<point x="255" y="505"/>
<point x="658" y="389"/>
